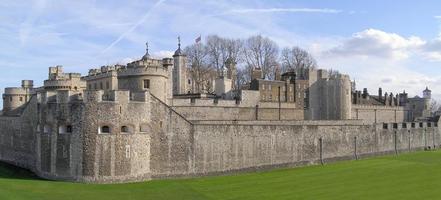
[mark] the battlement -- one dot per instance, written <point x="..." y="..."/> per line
<point x="15" y="91"/>
<point x="97" y="75"/>
<point x="145" y="63"/>
<point x="230" y="103"/>
<point x="105" y="70"/>
<point x="378" y="107"/>
<point x="407" y="125"/>
<point x="149" y="70"/>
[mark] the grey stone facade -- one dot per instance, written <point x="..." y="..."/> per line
<point x="134" y="130"/>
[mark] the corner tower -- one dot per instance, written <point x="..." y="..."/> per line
<point x="179" y="71"/>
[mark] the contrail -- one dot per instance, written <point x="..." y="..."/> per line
<point x="122" y="36"/>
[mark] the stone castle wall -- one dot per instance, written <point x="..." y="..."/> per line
<point x="235" y="146"/>
<point x="210" y="109"/>
<point x="162" y="143"/>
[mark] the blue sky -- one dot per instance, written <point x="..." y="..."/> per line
<point x="392" y="44"/>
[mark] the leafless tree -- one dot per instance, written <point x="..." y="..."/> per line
<point x="217" y="52"/>
<point x="297" y="60"/>
<point x="261" y="52"/>
<point x="434" y="107"/>
<point x="199" y="67"/>
<point x="234" y="50"/>
<point x="242" y="77"/>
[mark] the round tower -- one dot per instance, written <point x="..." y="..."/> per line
<point x="146" y="74"/>
<point x="344" y="101"/>
<point x="15" y="97"/>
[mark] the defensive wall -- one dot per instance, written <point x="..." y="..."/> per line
<point x="219" y="109"/>
<point x="376" y="114"/>
<point x="64" y="136"/>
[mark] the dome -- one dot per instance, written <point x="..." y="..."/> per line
<point x="146" y="55"/>
<point x="427" y="89"/>
<point x="178" y="52"/>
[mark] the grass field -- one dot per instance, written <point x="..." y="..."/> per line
<point x="408" y="176"/>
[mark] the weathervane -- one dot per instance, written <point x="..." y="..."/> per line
<point x="179" y="42"/>
<point x="147" y="48"/>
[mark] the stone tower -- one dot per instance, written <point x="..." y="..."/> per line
<point x="427" y="99"/>
<point x="179" y="71"/>
<point x="15" y="98"/>
<point x="147" y="74"/>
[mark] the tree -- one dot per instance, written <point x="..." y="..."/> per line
<point x="217" y="52"/>
<point x="434" y="107"/>
<point x="200" y="70"/>
<point x="261" y="52"/>
<point x="297" y="60"/>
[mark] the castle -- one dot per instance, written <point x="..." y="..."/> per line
<point x="147" y="120"/>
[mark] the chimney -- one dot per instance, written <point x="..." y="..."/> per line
<point x="380" y="93"/>
<point x="365" y="93"/>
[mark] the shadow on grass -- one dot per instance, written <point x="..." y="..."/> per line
<point x="8" y="171"/>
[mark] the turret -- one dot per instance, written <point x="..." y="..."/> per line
<point x="427" y="94"/>
<point x="15" y="98"/>
<point x="179" y="71"/>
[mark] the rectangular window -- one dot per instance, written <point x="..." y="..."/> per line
<point x="101" y="85"/>
<point x="270" y="97"/>
<point x="10" y="98"/>
<point x="90" y="86"/>
<point x="146" y="84"/>
<point x="107" y="85"/>
<point x="95" y="85"/>
<point x="189" y="81"/>
<point x="21" y="98"/>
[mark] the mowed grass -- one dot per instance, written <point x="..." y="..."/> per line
<point x="407" y="176"/>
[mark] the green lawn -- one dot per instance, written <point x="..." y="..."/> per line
<point x="408" y="176"/>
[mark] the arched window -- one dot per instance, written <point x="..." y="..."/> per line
<point x="127" y="129"/>
<point x="124" y="129"/>
<point x="104" y="130"/>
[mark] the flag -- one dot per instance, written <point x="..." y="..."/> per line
<point x="198" y="39"/>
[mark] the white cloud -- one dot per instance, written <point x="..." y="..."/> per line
<point x="162" y="54"/>
<point x="375" y="58"/>
<point x="373" y="42"/>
